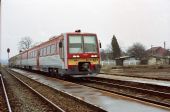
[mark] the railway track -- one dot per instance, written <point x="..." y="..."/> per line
<point x="155" y="94"/>
<point x="25" y="98"/>
<point x="65" y="101"/>
<point x="4" y="101"/>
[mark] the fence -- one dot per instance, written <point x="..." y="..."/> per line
<point x="125" y="62"/>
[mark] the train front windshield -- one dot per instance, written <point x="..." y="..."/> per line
<point x="82" y="44"/>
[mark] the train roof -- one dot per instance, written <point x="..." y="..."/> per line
<point x="84" y="33"/>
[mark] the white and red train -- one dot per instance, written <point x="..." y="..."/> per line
<point x="73" y="54"/>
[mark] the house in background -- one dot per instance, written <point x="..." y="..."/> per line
<point x="127" y="60"/>
<point x="155" y="60"/>
<point x="157" y="51"/>
<point x="158" y="56"/>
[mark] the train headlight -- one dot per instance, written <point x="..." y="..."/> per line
<point x="94" y="56"/>
<point x="76" y="56"/>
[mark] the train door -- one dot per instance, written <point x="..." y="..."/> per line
<point x="61" y="50"/>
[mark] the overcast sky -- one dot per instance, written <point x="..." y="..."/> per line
<point x="144" y="21"/>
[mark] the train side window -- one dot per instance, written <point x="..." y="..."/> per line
<point x="41" y="52"/>
<point x="44" y="51"/>
<point x="53" y="48"/>
<point x="57" y="48"/>
<point x="35" y="53"/>
<point x="31" y="54"/>
<point x="48" y="50"/>
<point x="28" y="55"/>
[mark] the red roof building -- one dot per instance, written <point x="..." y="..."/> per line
<point x="157" y="51"/>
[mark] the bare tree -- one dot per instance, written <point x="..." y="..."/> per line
<point x="137" y="50"/>
<point x="25" y="43"/>
<point x="108" y="52"/>
<point x="102" y="54"/>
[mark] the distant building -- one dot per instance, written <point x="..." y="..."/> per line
<point x="157" y="51"/>
<point x="127" y="60"/>
<point x="155" y="60"/>
<point x="158" y="56"/>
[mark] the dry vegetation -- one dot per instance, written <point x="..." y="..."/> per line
<point x="156" y="72"/>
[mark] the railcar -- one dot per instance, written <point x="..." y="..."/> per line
<point x="74" y="54"/>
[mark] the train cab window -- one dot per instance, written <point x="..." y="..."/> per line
<point x="75" y="44"/>
<point x="53" y="48"/>
<point x="48" y="50"/>
<point x="90" y="44"/>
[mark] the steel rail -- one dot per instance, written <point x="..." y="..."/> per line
<point x="156" y="87"/>
<point x="131" y="87"/>
<point x="39" y="94"/>
<point x="6" y="96"/>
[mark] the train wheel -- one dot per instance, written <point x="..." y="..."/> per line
<point x="50" y="71"/>
<point x="55" y="72"/>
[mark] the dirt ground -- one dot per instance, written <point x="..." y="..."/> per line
<point x="153" y="72"/>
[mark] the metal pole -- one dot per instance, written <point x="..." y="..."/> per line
<point x="8" y="51"/>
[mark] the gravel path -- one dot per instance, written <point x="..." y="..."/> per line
<point x="22" y="99"/>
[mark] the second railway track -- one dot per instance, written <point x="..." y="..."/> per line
<point x="146" y="92"/>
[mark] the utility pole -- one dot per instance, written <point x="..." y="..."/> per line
<point x="152" y="50"/>
<point x="164" y="45"/>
